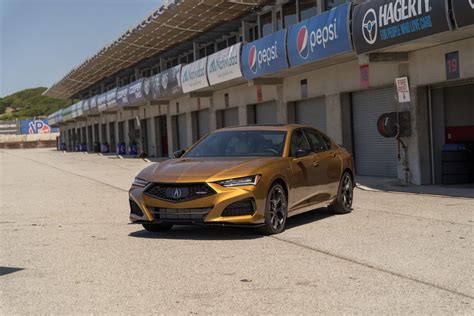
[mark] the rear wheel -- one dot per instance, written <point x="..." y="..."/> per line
<point x="157" y="228"/>
<point x="276" y="211"/>
<point x="343" y="202"/>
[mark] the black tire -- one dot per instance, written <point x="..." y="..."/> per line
<point x="345" y="195"/>
<point x="157" y="228"/>
<point x="276" y="211"/>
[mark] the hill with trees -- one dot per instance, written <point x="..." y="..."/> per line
<point x="29" y="103"/>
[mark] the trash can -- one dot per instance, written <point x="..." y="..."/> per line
<point x="82" y="147"/>
<point x="121" y="149"/>
<point x="62" y="146"/>
<point x="105" y="148"/>
<point x="132" y="149"/>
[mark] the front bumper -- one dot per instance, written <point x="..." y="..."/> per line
<point x="205" y="210"/>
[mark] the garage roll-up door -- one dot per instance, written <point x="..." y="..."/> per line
<point x="375" y="155"/>
<point x="266" y="113"/>
<point x="203" y="123"/>
<point x="312" y="112"/>
<point x="182" y="131"/>
<point x="231" y="117"/>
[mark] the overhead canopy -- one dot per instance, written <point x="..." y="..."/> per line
<point x="172" y="24"/>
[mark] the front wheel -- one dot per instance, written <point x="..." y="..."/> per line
<point x="343" y="202"/>
<point x="276" y="211"/>
<point x="157" y="228"/>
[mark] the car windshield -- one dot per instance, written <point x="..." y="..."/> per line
<point x="240" y="144"/>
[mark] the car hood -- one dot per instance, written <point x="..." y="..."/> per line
<point x="204" y="169"/>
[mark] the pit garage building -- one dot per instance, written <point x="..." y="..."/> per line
<point x="195" y="66"/>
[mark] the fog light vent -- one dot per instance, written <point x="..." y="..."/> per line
<point x="240" y="208"/>
<point x="135" y="209"/>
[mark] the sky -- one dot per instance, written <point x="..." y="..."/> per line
<point x="42" y="40"/>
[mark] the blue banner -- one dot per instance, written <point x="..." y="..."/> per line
<point x="29" y="127"/>
<point x="320" y="37"/>
<point x="264" y="56"/>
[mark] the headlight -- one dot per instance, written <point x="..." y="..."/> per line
<point x="140" y="182"/>
<point x="252" y="180"/>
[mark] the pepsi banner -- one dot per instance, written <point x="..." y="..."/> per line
<point x="194" y="76"/>
<point x="29" y="127"/>
<point x="122" y="96"/>
<point x="169" y="84"/>
<point x="380" y="24"/>
<point x="224" y="65"/>
<point x="264" y="56"/>
<point x="320" y="37"/>
<point x="463" y="12"/>
<point x="112" y="99"/>
<point x="102" y="102"/>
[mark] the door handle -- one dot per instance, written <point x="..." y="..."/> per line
<point x="316" y="163"/>
<point x="333" y="155"/>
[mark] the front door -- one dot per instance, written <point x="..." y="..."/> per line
<point x="303" y="180"/>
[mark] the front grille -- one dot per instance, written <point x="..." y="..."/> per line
<point x="135" y="209"/>
<point x="180" y="214"/>
<point x="178" y="192"/>
<point x="240" y="208"/>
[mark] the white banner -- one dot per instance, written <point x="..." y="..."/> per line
<point x="194" y="76"/>
<point x="224" y="65"/>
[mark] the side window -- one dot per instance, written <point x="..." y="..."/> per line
<point x="298" y="141"/>
<point x="318" y="141"/>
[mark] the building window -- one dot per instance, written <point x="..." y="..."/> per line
<point x="279" y="21"/>
<point x="202" y="52"/>
<point x="308" y="8"/>
<point x="210" y="49"/>
<point x="232" y="40"/>
<point x="289" y="14"/>
<point x="329" y="4"/>
<point x="266" y="27"/>
<point x="190" y="57"/>
<point x="221" y="45"/>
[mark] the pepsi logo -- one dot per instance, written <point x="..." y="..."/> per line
<point x="302" y="42"/>
<point x="252" y="59"/>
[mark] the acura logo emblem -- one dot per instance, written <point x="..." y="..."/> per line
<point x="177" y="193"/>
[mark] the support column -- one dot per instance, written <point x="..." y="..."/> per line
<point x="169" y="127"/>
<point x="151" y="132"/>
<point x="212" y="115"/>
<point x="282" y="110"/>
<point x="189" y="128"/>
<point x="334" y="117"/>
<point x="243" y="119"/>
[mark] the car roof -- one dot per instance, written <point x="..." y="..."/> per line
<point x="263" y="127"/>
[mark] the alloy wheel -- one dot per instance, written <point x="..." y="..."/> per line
<point x="346" y="191"/>
<point x="277" y="208"/>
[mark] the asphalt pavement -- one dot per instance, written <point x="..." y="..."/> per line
<point x="66" y="246"/>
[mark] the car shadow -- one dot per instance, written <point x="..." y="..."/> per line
<point x="194" y="232"/>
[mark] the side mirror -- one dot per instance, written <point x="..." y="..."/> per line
<point x="179" y="153"/>
<point x="300" y="152"/>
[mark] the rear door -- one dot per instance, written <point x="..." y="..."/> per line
<point x="330" y="164"/>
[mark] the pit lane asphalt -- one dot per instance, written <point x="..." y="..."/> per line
<point x="64" y="225"/>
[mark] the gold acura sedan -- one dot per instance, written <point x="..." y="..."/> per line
<point x="247" y="175"/>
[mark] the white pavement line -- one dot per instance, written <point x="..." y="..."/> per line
<point x="120" y="156"/>
<point x="368" y="265"/>
<point x="146" y="159"/>
<point x="366" y="188"/>
<point x="420" y="217"/>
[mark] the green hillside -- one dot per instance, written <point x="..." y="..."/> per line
<point x="29" y="103"/>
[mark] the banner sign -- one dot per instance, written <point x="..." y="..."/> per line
<point x="86" y="105"/>
<point x="67" y="113"/>
<point x="155" y="87"/>
<point x="79" y="109"/>
<point x="112" y="99"/>
<point x="379" y="24"/>
<point x="320" y="37"/>
<point x="93" y="104"/>
<point x="264" y="56"/>
<point x="136" y="92"/>
<point x="403" y="89"/>
<point x="194" y="76"/>
<point x="170" y="82"/>
<point x="122" y="96"/>
<point x="224" y="65"/>
<point x="29" y="127"/>
<point x="102" y="102"/>
<point x="463" y="12"/>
